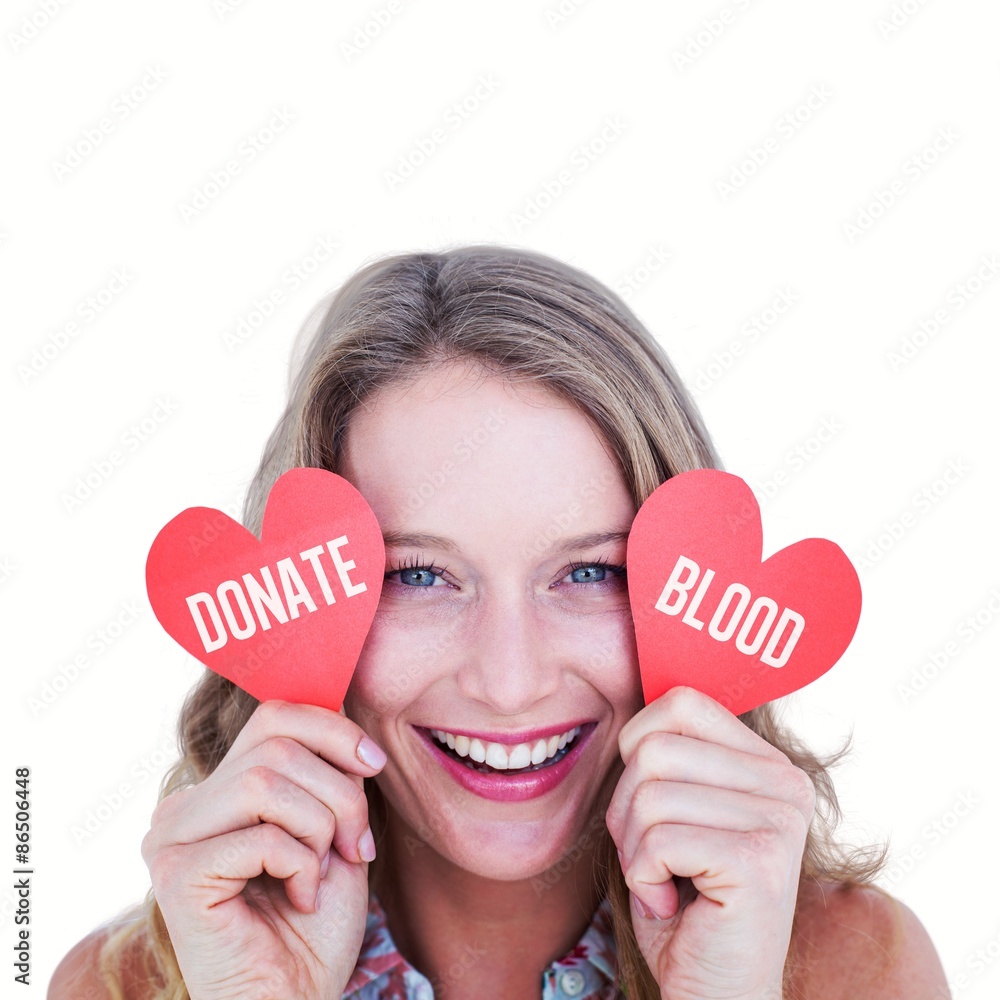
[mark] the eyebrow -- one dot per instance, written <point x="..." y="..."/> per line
<point x="421" y="539"/>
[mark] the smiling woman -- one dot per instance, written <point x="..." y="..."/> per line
<point x="519" y="677"/>
<point x="494" y="812"/>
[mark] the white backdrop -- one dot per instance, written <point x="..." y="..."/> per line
<point x="182" y="182"/>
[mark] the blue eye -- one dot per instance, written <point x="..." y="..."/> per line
<point x="414" y="575"/>
<point x="418" y="576"/>
<point x="596" y="572"/>
<point x="590" y="572"/>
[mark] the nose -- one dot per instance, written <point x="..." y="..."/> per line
<point x="511" y="656"/>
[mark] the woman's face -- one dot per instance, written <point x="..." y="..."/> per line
<point x="486" y="494"/>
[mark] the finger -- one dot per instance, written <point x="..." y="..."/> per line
<point x="343" y="793"/>
<point x="679" y="803"/>
<point x="338" y="815"/>
<point x="215" y="871"/>
<point x="330" y="735"/>
<point x="725" y="866"/>
<point x="669" y="757"/>
<point x="688" y="712"/>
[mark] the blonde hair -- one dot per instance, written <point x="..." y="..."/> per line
<point x="525" y="317"/>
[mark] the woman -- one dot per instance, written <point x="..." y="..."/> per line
<point x="494" y="812"/>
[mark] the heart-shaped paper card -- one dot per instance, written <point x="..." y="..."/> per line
<point x="710" y="615"/>
<point x="283" y="617"/>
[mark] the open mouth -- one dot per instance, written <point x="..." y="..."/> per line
<point x="544" y="753"/>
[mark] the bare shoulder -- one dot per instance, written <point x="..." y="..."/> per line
<point x="79" y="977"/>
<point x="860" y="943"/>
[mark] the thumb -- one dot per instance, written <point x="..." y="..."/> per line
<point x="658" y="902"/>
<point x="653" y="931"/>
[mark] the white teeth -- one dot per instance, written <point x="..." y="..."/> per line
<point x="497" y="756"/>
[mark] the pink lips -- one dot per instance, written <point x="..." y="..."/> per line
<point x="510" y="788"/>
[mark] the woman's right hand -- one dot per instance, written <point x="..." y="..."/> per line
<point x="259" y="869"/>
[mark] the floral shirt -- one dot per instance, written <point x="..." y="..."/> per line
<point x="586" y="973"/>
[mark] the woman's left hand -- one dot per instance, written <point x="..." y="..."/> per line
<point x="704" y="798"/>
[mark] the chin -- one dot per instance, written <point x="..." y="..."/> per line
<point x="488" y="845"/>
<point x="510" y="852"/>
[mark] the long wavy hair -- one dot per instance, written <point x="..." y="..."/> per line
<point x="526" y="317"/>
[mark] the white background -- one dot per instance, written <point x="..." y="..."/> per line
<point x="597" y="93"/>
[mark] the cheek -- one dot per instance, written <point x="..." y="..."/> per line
<point x="610" y="660"/>
<point x="397" y="662"/>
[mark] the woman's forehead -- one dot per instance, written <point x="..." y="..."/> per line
<point x="448" y="447"/>
<point x="452" y="417"/>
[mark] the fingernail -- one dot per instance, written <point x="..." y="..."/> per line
<point x="324" y="865"/>
<point x="621" y="860"/>
<point x="370" y="753"/>
<point x="642" y="908"/>
<point x="366" y="846"/>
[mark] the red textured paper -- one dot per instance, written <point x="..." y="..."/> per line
<point x="308" y="659"/>
<point x="713" y="518"/>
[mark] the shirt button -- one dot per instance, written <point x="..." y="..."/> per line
<point x="572" y="982"/>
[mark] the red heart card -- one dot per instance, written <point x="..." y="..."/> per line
<point x="710" y="615"/>
<point x="283" y="617"/>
